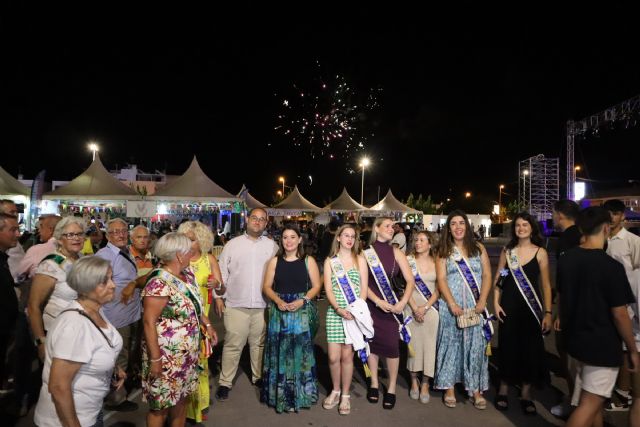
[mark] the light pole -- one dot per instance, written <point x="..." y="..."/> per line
<point x="281" y="179"/>
<point x="93" y="147"/>
<point x="500" y="188"/>
<point x="364" y="163"/>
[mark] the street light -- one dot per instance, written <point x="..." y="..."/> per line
<point x="93" y="147"/>
<point x="279" y="193"/>
<point x="363" y="164"/>
<point x="525" y="173"/>
<point x="281" y="179"/>
<point x="467" y="195"/>
<point x="500" y="203"/>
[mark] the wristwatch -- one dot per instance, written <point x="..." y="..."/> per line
<point x="39" y="340"/>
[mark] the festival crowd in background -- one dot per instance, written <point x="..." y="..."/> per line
<point x="105" y="309"/>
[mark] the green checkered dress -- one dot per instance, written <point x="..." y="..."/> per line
<point x="335" y="330"/>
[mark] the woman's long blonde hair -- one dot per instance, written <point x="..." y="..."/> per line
<point x="377" y="223"/>
<point x="355" y="249"/>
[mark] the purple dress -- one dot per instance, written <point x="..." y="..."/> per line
<point x="386" y="338"/>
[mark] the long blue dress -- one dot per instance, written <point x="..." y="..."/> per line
<point x="461" y="352"/>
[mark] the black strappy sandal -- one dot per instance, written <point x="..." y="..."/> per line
<point x="528" y="407"/>
<point x="389" y="401"/>
<point x="373" y="394"/>
<point x="502" y="402"/>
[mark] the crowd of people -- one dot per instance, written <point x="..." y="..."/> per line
<point x="106" y="318"/>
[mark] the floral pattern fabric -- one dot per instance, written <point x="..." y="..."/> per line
<point x="179" y="340"/>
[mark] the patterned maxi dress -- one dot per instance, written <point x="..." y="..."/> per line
<point x="335" y="329"/>
<point x="179" y="340"/>
<point x="199" y="401"/>
<point x="289" y="372"/>
<point x="461" y="352"/>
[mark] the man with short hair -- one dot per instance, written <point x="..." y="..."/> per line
<point x="242" y="264"/>
<point x="564" y="217"/>
<point x="139" y="250"/>
<point x="594" y="293"/>
<point x="16" y="253"/>
<point x="624" y="247"/>
<point x="399" y="239"/>
<point x="125" y="317"/>
<point x="9" y="234"/>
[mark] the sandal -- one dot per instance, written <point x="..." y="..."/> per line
<point x="502" y="402"/>
<point x="345" y="405"/>
<point x="528" y="407"/>
<point x="332" y="400"/>
<point x="373" y="394"/>
<point x="450" y="401"/>
<point x="389" y="401"/>
<point x="480" y="403"/>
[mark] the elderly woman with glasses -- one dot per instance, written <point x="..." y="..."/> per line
<point x="177" y="332"/>
<point x="50" y="293"/>
<point x="82" y="347"/>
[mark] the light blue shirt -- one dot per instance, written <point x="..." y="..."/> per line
<point x="124" y="271"/>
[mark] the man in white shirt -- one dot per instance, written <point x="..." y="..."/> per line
<point x="399" y="239"/>
<point x="624" y="247"/>
<point x="242" y="263"/>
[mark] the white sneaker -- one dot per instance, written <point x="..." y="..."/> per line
<point x="561" y="410"/>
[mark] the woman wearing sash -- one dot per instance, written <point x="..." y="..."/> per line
<point x="424" y="308"/>
<point x="174" y="328"/>
<point x="524" y="320"/>
<point x="387" y="317"/>
<point x="344" y="252"/>
<point x="289" y="378"/>
<point x="464" y="280"/>
<point x="207" y="274"/>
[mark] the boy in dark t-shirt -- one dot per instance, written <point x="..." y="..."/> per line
<point x="594" y="293"/>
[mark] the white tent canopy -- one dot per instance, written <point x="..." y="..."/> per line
<point x="95" y="183"/>
<point x="344" y="203"/>
<point x="293" y="204"/>
<point x="389" y="205"/>
<point x="194" y="185"/>
<point x="9" y="186"/>
<point x="249" y="200"/>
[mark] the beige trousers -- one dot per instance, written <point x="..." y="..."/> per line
<point x="242" y="326"/>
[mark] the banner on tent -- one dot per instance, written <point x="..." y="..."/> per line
<point x="137" y="209"/>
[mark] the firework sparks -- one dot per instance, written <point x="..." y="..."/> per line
<point x="326" y="117"/>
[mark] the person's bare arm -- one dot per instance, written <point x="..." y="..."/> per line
<point x="41" y="288"/>
<point x="486" y="280"/>
<point x="405" y="269"/>
<point x="60" y="386"/>
<point x="502" y="263"/>
<point x="543" y="261"/>
<point x="625" y="329"/>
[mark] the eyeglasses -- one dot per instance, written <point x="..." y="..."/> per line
<point x="258" y="219"/>
<point x="71" y="236"/>
<point x="118" y="232"/>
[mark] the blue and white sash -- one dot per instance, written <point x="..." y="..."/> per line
<point x="472" y="285"/>
<point x="384" y="286"/>
<point x="524" y="285"/>
<point x="420" y="285"/>
<point x="348" y="292"/>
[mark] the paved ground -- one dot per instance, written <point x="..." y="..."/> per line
<point x="243" y="407"/>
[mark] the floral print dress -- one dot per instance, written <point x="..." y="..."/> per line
<point x="179" y="340"/>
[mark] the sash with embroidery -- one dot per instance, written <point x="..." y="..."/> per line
<point x="194" y="296"/>
<point x="349" y="294"/>
<point x="420" y="285"/>
<point x="524" y="286"/>
<point x="472" y="285"/>
<point x="384" y="286"/>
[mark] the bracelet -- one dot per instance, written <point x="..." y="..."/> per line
<point x="306" y="299"/>
<point x="155" y="360"/>
<point x="548" y="312"/>
<point x="207" y="324"/>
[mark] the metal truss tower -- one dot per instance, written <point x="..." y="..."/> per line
<point x="539" y="185"/>
<point x="626" y="113"/>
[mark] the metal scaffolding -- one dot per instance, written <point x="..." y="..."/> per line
<point x="539" y="185"/>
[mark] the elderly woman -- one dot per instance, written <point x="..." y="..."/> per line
<point x="176" y="332"/>
<point x="207" y="273"/>
<point x="50" y="293"/>
<point x="82" y="347"/>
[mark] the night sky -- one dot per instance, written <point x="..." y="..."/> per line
<point x="460" y="104"/>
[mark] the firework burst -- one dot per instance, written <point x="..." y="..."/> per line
<point x="326" y="117"/>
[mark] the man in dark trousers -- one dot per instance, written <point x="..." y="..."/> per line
<point x="594" y="294"/>
<point x="9" y="234"/>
